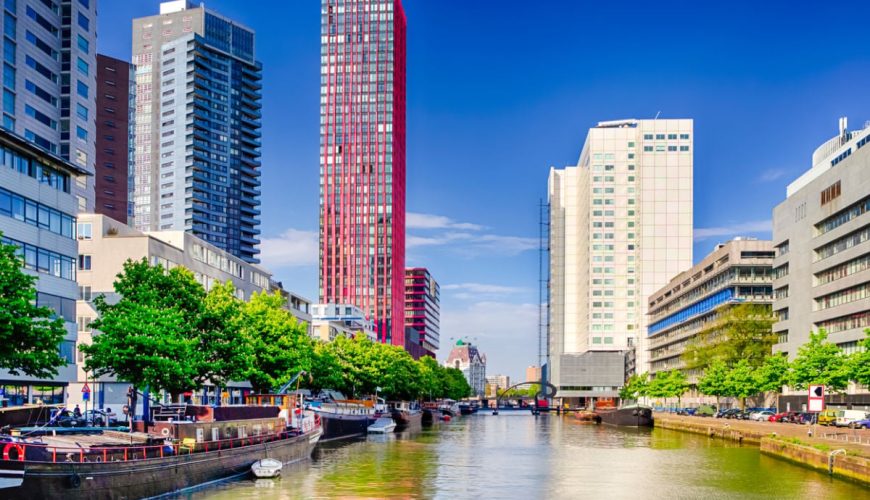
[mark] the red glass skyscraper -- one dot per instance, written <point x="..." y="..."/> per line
<point x="362" y="159"/>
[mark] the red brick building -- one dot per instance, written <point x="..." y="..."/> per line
<point x="113" y="137"/>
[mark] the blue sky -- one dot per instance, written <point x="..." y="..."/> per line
<point x="500" y="91"/>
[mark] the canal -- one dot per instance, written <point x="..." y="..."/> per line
<point x="520" y="456"/>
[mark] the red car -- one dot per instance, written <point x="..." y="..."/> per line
<point x="777" y="417"/>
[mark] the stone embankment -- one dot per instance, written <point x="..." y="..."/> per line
<point x="840" y="452"/>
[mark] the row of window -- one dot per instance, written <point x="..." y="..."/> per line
<point x="843" y="323"/>
<point x="661" y="137"/>
<point x="842" y="244"/>
<point x="36" y="214"/>
<point x="661" y="147"/>
<point x="853" y="266"/>
<point x="44" y="261"/>
<point x="43" y="173"/>
<point x="845" y="296"/>
<point x="695" y="309"/>
<point x="852" y="212"/>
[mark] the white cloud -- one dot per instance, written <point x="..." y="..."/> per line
<point x="414" y="220"/>
<point x="292" y="248"/>
<point x="772" y="174"/>
<point x="475" y="244"/>
<point x="480" y="291"/>
<point x="483" y="288"/>
<point x="506" y="332"/>
<point x="737" y="229"/>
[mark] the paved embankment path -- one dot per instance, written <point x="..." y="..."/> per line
<point x="838" y="451"/>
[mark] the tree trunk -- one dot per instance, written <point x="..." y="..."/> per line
<point x="743" y="403"/>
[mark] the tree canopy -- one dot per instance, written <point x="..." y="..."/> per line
<point x="30" y="334"/>
<point x="820" y="362"/>
<point x="742" y="332"/>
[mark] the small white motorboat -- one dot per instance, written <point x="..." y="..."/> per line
<point x="266" y="468"/>
<point x="382" y="425"/>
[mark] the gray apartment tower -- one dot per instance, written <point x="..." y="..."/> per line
<point x="197" y="137"/>
<point x="820" y="231"/>
<point x="49" y="81"/>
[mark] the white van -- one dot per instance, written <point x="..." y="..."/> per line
<point x="846" y="417"/>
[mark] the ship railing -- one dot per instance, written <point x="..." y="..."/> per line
<point x="38" y="452"/>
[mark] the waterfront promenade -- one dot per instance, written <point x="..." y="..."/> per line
<point x="838" y="451"/>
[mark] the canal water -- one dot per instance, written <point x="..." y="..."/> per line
<point x="521" y="456"/>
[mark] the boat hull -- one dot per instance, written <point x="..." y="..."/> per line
<point x="339" y="426"/>
<point x="151" y="477"/>
<point x="408" y="420"/>
<point x="627" y="417"/>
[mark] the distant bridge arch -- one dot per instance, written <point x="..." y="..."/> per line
<point x="546" y="391"/>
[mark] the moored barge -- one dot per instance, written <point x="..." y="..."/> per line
<point x="174" y="456"/>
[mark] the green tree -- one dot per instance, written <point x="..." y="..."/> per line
<point x="860" y="363"/>
<point x="773" y="373"/>
<point x="668" y="385"/>
<point x="714" y="382"/>
<point x="821" y="362"/>
<point x="742" y="382"/>
<point x="635" y="387"/>
<point x="151" y="336"/>
<point x="325" y="369"/>
<point x="431" y="380"/>
<point x="742" y="332"/>
<point x="456" y="385"/>
<point x="29" y="334"/>
<point x="279" y="345"/>
<point x="226" y="350"/>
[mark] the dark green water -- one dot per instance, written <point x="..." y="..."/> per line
<point x="520" y="456"/>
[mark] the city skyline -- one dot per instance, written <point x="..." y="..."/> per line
<point x="738" y="77"/>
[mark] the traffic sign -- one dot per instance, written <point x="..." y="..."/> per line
<point x="816" y="401"/>
<point x="86" y="389"/>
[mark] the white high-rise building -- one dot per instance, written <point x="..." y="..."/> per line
<point x="620" y="228"/>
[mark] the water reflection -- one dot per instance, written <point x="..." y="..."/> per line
<point x="520" y="456"/>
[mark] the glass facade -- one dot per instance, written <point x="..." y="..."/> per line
<point x="362" y="160"/>
<point x="422" y="310"/>
<point x="197" y="129"/>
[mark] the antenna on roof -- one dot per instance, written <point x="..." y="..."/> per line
<point x="657" y="115"/>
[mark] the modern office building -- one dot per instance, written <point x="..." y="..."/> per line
<point x="332" y="320"/>
<point x="467" y="358"/>
<point x="620" y="228"/>
<point x="49" y="81"/>
<point x="105" y="244"/>
<point x="362" y="160"/>
<point x="533" y="373"/>
<point x="422" y="312"/>
<point x="197" y="136"/>
<point x="821" y="230"/>
<point x="38" y="215"/>
<point x="116" y="92"/>
<point x="737" y="272"/>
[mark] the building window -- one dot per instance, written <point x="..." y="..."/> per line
<point x="81" y="111"/>
<point x="83" y="66"/>
<point x="84" y="262"/>
<point x="82" y="89"/>
<point x="84" y="45"/>
<point x="81" y="133"/>
<point x="84" y="230"/>
<point x="85" y="293"/>
<point x="84" y="22"/>
<point x="831" y="193"/>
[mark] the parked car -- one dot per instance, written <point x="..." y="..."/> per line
<point x="827" y="417"/>
<point x="686" y="411"/>
<point x="778" y="417"/>
<point x="760" y="416"/>
<point x="861" y="424"/>
<point x="846" y="417"/>
<point x="729" y="413"/>
<point x="808" y="418"/>
<point x="705" y="411"/>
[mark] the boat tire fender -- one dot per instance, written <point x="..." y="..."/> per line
<point x="75" y="481"/>
<point x="165" y="431"/>
<point x="18" y="449"/>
